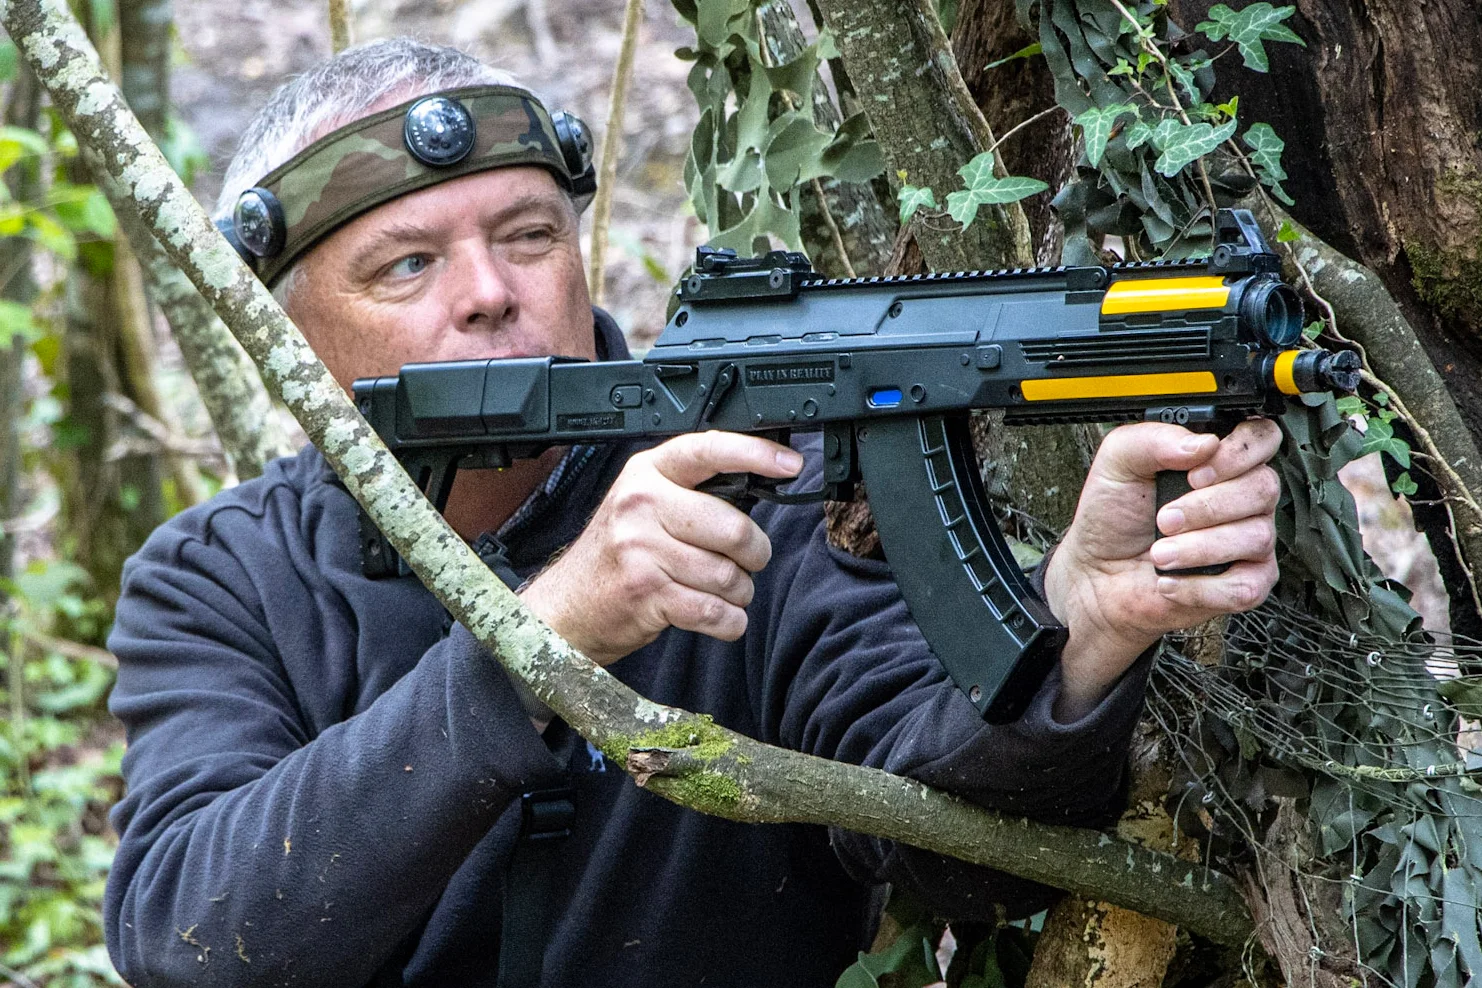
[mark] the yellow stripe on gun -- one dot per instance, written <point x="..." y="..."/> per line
<point x="1119" y="386"/>
<point x="1164" y="295"/>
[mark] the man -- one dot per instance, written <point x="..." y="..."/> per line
<point x="326" y="774"/>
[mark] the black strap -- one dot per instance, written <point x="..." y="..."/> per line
<point x="546" y="817"/>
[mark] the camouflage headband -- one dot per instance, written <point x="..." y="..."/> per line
<point x="376" y="159"/>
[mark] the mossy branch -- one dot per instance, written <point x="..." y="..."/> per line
<point x="764" y="784"/>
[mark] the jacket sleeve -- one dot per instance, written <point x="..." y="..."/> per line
<point x="253" y="852"/>
<point x="844" y="673"/>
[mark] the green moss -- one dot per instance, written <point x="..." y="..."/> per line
<point x="1450" y="281"/>
<point x="699" y="736"/>
<point x="708" y="792"/>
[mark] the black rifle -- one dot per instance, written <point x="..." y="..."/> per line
<point x="889" y="370"/>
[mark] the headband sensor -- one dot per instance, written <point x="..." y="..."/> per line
<point x="389" y="154"/>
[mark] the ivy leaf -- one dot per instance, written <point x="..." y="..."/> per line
<point x="1096" y="125"/>
<point x="1350" y="405"/>
<point x="1028" y="51"/>
<point x="1181" y="144"/>
<point x="1288" y="233"/>
<point x="911" y="199"/>
<point x="1249" y="28"/>
<point x="1380" y="438"/>
<point x="1404" y="485"/>
<point x="985" y="189"/>
<point x="1266" y="147"/>
<point x="1138" y="135"/>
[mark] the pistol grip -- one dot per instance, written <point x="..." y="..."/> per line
<point x="1172" y="485"/>
<point x="733" y="488"/>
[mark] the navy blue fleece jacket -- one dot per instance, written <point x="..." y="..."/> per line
<point x="324" y="772"/>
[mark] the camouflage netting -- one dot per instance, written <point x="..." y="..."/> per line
<point x="1329" y="703"/>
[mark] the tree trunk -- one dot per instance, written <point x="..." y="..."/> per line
<point x="843" y="226"/>
<point x="117" y="495"/>
<point x="1008" y="95"/>
<point x="901" y="67"/>
<point x="22" y="110"/>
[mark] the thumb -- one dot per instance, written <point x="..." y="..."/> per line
<point x="1138" y="452"/>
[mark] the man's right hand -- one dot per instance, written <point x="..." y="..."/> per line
<point x="658" y="553"/>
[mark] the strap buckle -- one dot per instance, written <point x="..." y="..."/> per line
<point x="547" y="814"/>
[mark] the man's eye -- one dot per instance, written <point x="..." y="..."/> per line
<point x="535" y="234"/>
<point x="412" y="264"/>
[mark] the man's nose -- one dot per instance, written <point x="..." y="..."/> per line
<point x="483" y="294"/>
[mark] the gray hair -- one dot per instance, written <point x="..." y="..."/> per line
<point x="336" y="93"/>
<point x="340" y="91"/>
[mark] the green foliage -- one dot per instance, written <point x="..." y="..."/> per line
<point x="912" y="199"/>
<point x="983" y="188"/>
<point x="1248" y="28"/>
<point x="1028" y="51"/>
<point x="756" y="144"/>
<point x="57" y="775"/>
<point x="1375" y="421"/>
<point x="1179" y="145"/>
<point x="183" y="150"/>
<point x="1096" y="127"/>
<point x="1266" y="147"/>
<point x="1148" y="179"/>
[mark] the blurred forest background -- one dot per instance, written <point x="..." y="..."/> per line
<point x="114" y="438"/>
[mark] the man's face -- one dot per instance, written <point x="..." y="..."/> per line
<point x="487" y="265"/>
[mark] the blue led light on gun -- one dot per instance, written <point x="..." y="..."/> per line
<point x="884" y="398"/>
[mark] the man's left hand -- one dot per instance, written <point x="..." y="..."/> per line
<point x="1102" y="582"/>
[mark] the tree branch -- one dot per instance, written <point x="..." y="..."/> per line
<point x="339" y="25"/>
<point x="612" y="144"/>
<point x="718" y="771"/>
<point x="230" y="388"/>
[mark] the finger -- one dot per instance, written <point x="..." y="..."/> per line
<point x="1240" y="588"/>
<point x="1252" y="494"/>
<point x="691" y="458"/>
<point x="1139" y="452"/>
<point x="1250" y="444"/>
<point x="1252" y="539"/>
<point x="707" y="522"/>
<point x="709" y="572"/>
<point x="707" y="614"/>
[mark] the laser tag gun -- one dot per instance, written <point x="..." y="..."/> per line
<point x="889" y="369"/>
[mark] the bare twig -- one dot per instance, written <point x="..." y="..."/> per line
<point x="612" y="142"/>
<point x="339" y="25"/>
<point x="1025" y="123"/>
<point x="71" y="649"/>
<point x="162" y="438"/>
<point x="833" y="229"/>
